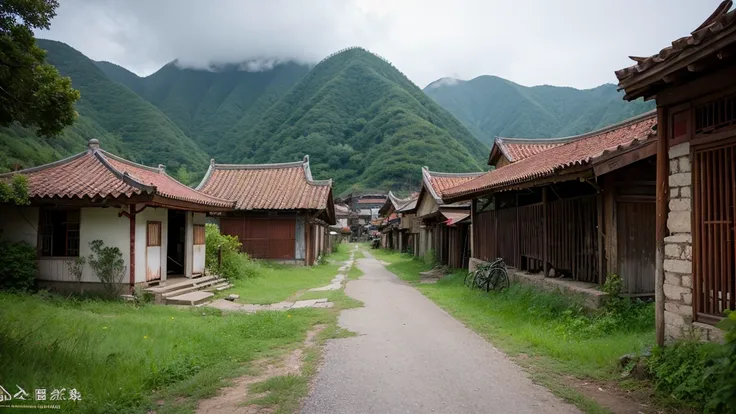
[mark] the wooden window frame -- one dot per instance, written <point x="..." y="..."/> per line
<point x="70" y="234"/>
<point x="198" y="234"/>
<point x="156" y="241"/>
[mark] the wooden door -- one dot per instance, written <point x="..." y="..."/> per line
<point x="153" y="251"/>
<point x="199" y="254"/>
<point x="636" y="245"/>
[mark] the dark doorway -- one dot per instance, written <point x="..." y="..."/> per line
<point x="175" y="247"/>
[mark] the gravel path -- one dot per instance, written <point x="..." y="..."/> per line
<point x="410" y="356"/>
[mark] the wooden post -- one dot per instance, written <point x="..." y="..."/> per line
<point x="661" y="221"/>
<point x="601" y="226"/>
<point x="518" y="235"/>
<point x="132" y="244"/>
<point x="545" y="239"/>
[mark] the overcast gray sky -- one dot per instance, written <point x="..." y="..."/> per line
<point x="575" y="43"/>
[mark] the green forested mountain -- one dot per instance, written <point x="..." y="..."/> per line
<point x="123" y="122"/>
<point x="361" y="121"/>
<point x="490" y="106"/>
<point x="214" y="106"/>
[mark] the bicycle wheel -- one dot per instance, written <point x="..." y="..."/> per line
<point x="468" y="280"/>
<point x="499" y="279"/>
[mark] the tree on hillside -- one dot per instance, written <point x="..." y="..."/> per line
<point x="32" y="92"/>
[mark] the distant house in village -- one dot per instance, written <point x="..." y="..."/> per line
<point x="363" y="211"/>
<point x="444" y="227"/>
<point x="581" y="207"/>
<point x="281" y="213"/>
<point x="341" y="227"/>
<point x="155" y="221"/>
<point x="694" y="83"/>
<point x="392" y="235"/>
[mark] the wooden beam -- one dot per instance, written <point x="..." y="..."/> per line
<point x="695" y="67"/>
<point x="545" y="239"/>
<point x="661" y="221"/>
<point x="625" y="158"/>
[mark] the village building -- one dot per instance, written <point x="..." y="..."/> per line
<point x="509" y="150"/>
<point x="155" y="221"/>
<point x="281" y="213"/>
<point x="409" y="225"/>
<point x="444" y="228"/>
<point x="392" y="234"/>
<point x="579" y="209"/>
<point x="341" y="226"/>
<point x="363" y="212"/>
<point x="694" y="83"/>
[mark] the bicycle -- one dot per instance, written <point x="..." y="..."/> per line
<point x="488" y="276"/>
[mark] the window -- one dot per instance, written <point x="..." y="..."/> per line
<point x="715" y="115"/>
<point x="59" y="233"/>
<point x="153" y="233"/>
<point x="199" y="234"/>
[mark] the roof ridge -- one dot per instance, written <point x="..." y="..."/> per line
<point x="125" y="176"/>
<point x="292" y="164"/>
<point x="549" y="140"/>
<point x="449" y="174"/>
<point x="129" y="162"/>
<point x="197" y="191"/>
<point x="45" y="166"/>
<point x="572" y="138"/>
<point x="427" y="181"/>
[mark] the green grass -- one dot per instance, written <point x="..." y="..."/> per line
<point x="548" y="334"/>
<point x="126" y="359"/>
<point x="401" y="264"/>
<point x="276" y="282"/>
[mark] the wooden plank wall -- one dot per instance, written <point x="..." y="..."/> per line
<point x="573" y="237"/>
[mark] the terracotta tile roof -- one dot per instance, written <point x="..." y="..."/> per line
<point x="581" y="151"/>
<point x="98" y="174"/>
<point x="516" y="149"/>
<point x="287" y="186"/>
<point x="371" y="201"/>
<point x="437" y="183"/>
<point x="718" y="31"/>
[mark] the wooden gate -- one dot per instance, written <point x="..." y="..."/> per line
<point x="714" y="201"/>
<point x="636" y="245"/>
<point x="263" y="238"/>
<point x="153" y="251"/>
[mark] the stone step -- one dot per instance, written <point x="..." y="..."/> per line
<point x="190" y="299"/>
<point x="192" y="288"/>
<point x="169" y="287"/>
<point x="217" y="287"/>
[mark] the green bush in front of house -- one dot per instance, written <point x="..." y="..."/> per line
<point x="235" y="264"/>
<point x="699" y="373"/>
<point x="17" y="266"/>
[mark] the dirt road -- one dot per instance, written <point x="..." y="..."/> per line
<point x="410" y="356"/>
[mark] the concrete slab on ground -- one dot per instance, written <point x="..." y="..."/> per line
<point x="190" y="299"/>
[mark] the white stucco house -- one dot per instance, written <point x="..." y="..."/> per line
<point x="155" y="221"/>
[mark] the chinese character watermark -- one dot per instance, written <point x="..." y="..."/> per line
<point x="21" y="394"/>
<point x="58" y="394"/>
<point x="40" y="394"/>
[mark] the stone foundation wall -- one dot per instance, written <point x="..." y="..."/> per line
<point x="678" y="252"/>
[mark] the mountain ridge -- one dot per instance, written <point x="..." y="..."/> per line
<point x="491" y="106"/>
